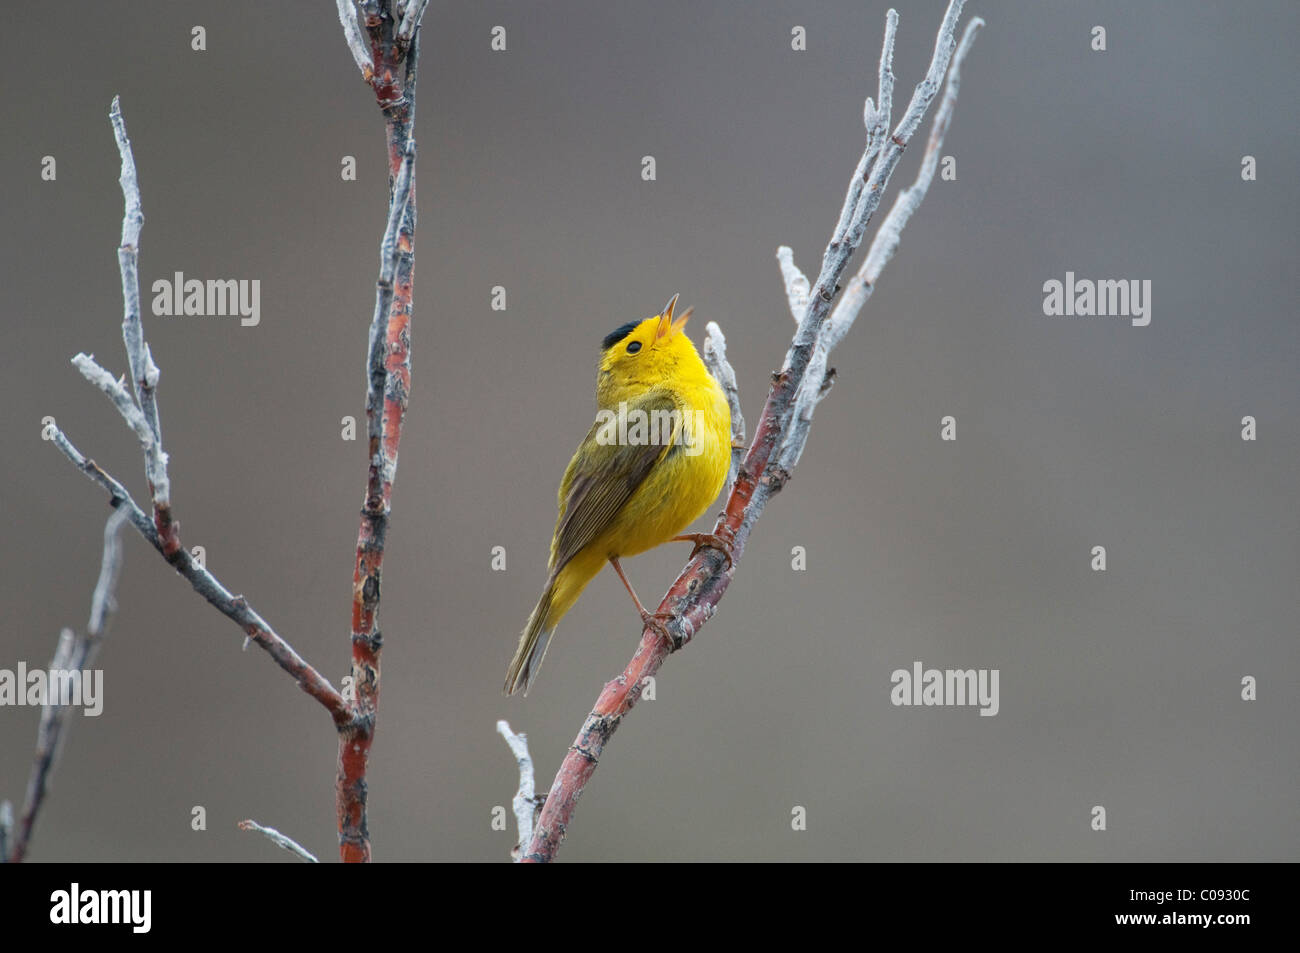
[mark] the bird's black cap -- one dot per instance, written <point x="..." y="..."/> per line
<point x="613" y="337"/>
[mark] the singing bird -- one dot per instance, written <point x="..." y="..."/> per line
<point x="651" y="464"/>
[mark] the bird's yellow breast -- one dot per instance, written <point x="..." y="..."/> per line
<point x="684" y="482"/>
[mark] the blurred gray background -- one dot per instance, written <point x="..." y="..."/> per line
<point x="1118" y="689"/>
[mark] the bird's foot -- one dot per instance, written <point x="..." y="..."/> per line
<point x="651" y="620"/>
<point x="708" y="541"/>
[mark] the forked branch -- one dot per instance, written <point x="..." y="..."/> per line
<point x="782" y="428"/>
<point x="385" y="46"/>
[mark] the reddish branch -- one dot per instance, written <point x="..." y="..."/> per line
<point x="692" y="599"/>
<point x="392" y="76"/>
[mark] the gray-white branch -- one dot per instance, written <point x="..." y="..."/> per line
<point x="142" y="417"/>
<point x="235" y="608"/>
<point x="873" y="172"/>
<point x="280" y="840"/>
<point x="352" y="35"/>
<point x="525" y="802"/>
<point x="117" y="393"/>
<point x="144" y="373"/>
<point x="411" y="19"/>
<point x="908" y="201"/>
<point x="715" y="359"/>
<point x="73" y="654"/>
<point x="796" y="282"/>
<point x="833" y="327"/>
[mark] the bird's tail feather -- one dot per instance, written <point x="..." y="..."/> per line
<point x="532" y="644"/>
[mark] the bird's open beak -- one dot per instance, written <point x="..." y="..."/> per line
<point x="667" y="326"/>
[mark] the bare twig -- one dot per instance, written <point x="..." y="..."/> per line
<point x="122" y="400"/>
<point x="142" y="416"/>
<point x="410" y="19"/>
<point x="715" y="359"/>
<point x="866" y="187"/>
<point x="390" y="68"/>
<point x="525" y="800"/>
<point x="352" y="34"/>
<point x="693" y="597"/>
<point x="74" y="653"/>
<point x="280" y="840"/>
<point x="796" y="282"/>
<point x="144" y="373"/>
<point x="909" y="200"/>
<point x="235" y="608"/>
<point x="389" y="382"/>
<point x="814" y="385"/>
<point x="877" y="118"/>
<point x="163" y="531"/>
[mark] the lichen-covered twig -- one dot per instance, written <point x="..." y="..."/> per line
<point x="141" y="414"/>
<point x="139" y="409"/>
<point x="74" y="653"/>
<point x="235" y="608"/>
<point x="144" y="373"/>
<point x="280" y="840"/>
<point x="525" y="802"/>
<point x="796" y="283"/>
<point x="352" y="35"/>
<point x="693" y="597"/>
<point x="715" y="359"/>
<point x="816" y="381"/>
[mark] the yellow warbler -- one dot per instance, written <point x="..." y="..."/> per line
<point x="651" y="464"/>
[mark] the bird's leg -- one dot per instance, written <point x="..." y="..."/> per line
<point x="648" y="619"/>
<point x="707" y="541"/>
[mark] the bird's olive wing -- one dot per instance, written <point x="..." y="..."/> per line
<point x="605" y="472"/>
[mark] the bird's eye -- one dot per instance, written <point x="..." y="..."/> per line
<point x="634" y="347"/>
